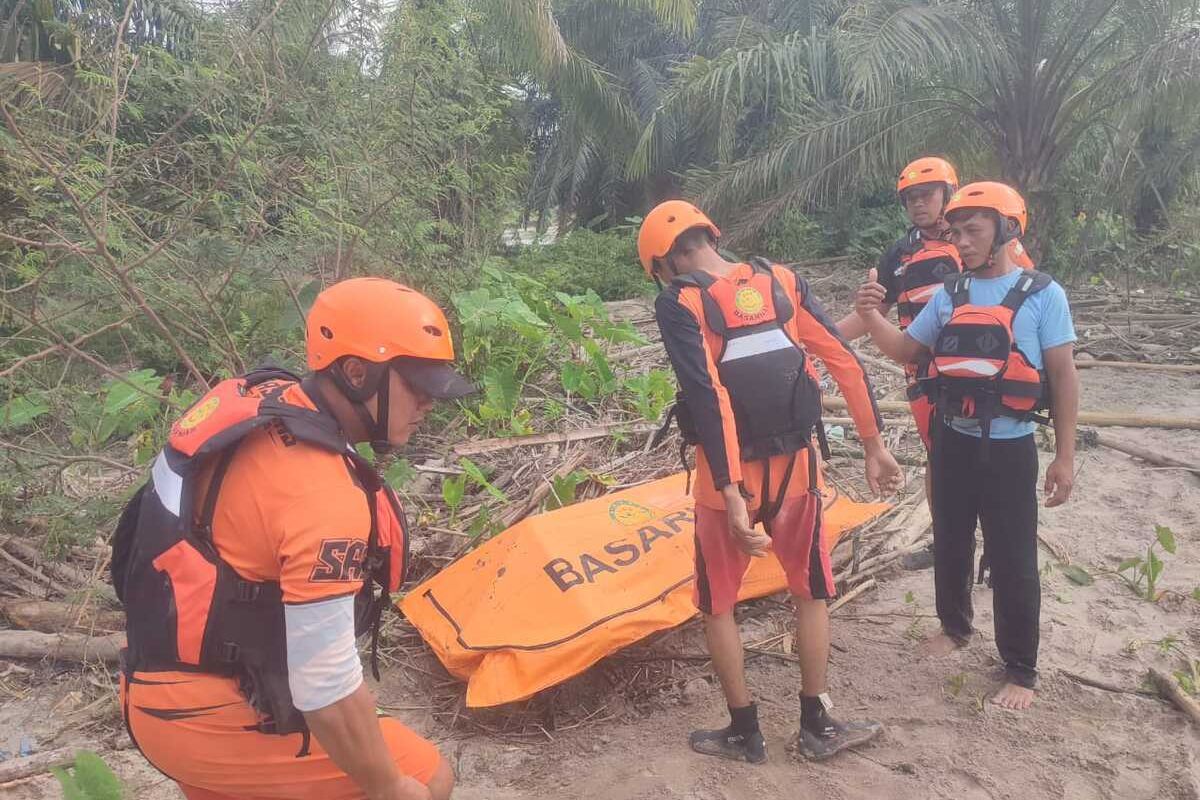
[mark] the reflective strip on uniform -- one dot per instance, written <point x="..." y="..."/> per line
<point x="168" y="484"/>
<point x="968" y="366"/>
<point x="922" y="294"/>
<point x="756" y="344"/>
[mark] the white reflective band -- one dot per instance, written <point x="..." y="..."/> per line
<point x="922" y="294"/>
<point x="323" y="665"/>
<point x="974" y="366"/>
<point x="167" y="484"/>
<point x="756" y="344"/>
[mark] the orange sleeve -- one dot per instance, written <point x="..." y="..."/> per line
<point x="677" y="310"/>
<point x="323" y="533"/>
<point x="817" y="333"/>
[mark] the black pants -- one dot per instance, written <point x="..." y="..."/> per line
<point x="1002" y="495"/>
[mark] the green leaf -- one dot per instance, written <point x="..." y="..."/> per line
<point x="476" y="474"/>
<point x="1166" y="537"/>
<point x="1129" y="563"/>
<point x="1196" y="594"/>
<point x="95" y="778"/>
<point x="399" y="473"/>
<point x="70" y="788"/>
<point x="453" y="491"/>
<point x="21" y="410"/>
<point x="909" y="598"/>
<point x="1079" y="575"/>
<point x="120" y="395"/>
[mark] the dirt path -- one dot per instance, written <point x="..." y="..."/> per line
<point x="943" y="740"/>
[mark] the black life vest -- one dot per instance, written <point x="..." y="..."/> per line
<point x="186" y="608"/>
<point x="775" y="399"/>
<point x="921" y="269"/>
<point x="976" y="370"/>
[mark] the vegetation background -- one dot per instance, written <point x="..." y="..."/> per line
<point x="178" y="179"/>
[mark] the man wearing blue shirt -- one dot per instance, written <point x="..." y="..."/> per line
<point x="996" y="485"/>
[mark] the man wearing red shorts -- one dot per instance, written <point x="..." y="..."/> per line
<point x="738" y="337"/>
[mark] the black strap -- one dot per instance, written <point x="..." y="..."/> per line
<point x="959" y="288"/>
<point x="203" y="527"/>
<point x="1030" y="283"/>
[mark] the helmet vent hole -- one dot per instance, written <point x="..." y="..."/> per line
<point x="328" y="334"/>
<point x="671" y="218"/>
<point x="432" y="330"/>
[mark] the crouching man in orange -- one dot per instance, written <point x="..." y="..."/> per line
<point x="262" y="545"/>
<point x="738" y="336"/>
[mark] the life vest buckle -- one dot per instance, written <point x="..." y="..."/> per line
<point x="248" y="592"/>
<point x="231" y="652"/>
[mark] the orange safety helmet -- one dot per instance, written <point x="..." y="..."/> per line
<point x="379" y="320"/>
<point x="928" y="170"/>
<point x="664" y="224"/>
<point x="998" y="197"/>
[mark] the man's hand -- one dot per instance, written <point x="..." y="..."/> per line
<point x="750" y="540"/>
<point x="1060" y="479"/>
<point x="883" y="473"/>
<point x="870" y="295"/>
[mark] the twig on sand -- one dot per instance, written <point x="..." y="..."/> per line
<point x="1170" y="690"/>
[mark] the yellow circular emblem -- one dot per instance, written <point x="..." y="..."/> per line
<point x="623" y="512"/>
<point x="912" y="176"/>
<point x="199" y="413"/>
<point x="748" y="301"/>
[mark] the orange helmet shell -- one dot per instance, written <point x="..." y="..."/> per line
<point x="376" y="320"/>
<point x="999" y="197"/>
<point x="664" y="224"/>
<point x="928" y="170"/>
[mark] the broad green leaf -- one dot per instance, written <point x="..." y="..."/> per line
<point x="1166" y="537"/>
<point x="1129" y="563"/>
<point x="21" y="410"/>
<point x="1078" y="575"/>
<point x="120" y="395"/>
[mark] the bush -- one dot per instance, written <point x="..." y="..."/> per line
<point x="583" y="260"/>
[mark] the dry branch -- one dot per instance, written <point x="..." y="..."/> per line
<point x="1144" y="454"/>
<point x="1101" y="419"/>
<point x="50" y="617"/>
<point x="509" y="442"/>
<point x="17" y="768"/>
<point x="61" y="646"/>
<point x="1170" y="690"/>
<point x="1185" y="368"/>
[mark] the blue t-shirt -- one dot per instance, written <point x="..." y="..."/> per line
<point x="1042" y="322"/>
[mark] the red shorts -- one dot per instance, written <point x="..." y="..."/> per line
<point x="922" y="411"/>
<point x="795" y="539"/>
<point x="199" y="730"/>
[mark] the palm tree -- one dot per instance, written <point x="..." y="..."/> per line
<point x="1028" y="80"/>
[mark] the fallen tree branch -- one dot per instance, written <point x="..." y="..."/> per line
<point x="1149" y="456"/>
<point x="48" y="616"/>
<point x="17" y="768"/>
<point x="1185" y="368"/>
<point x="852" y="594"/>
<point x="61" y="646"/>
<point x="1170" y="690"/>
<point x="1097" y="683"/>
<point x="1101" y="419"/>
<point x="509" y="442"/>
<point x="73" y="578"/>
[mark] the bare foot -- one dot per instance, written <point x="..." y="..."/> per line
<point x="1013" y="697"/>
<point x="940" y="645"/>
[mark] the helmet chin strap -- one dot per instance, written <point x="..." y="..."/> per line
<point x="376" y="385"/>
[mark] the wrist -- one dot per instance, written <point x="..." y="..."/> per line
<point x="873" y="444"/>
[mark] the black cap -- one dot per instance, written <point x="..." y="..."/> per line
<point x="438" y="379"/>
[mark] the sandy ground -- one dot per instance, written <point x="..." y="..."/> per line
<point x="943" y="739"/>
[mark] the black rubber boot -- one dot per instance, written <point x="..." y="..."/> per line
<point x="833" y="738"/>
<point x="728" y="743"/>
<point x="740" y="741"/>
